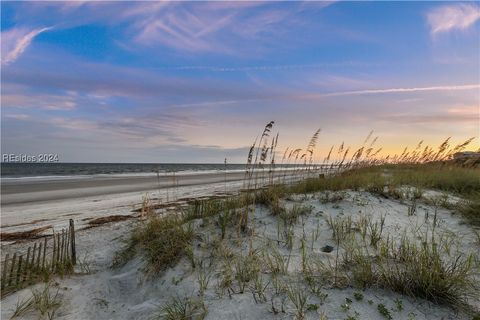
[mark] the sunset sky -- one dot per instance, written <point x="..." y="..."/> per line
<point x="197" y="81"/>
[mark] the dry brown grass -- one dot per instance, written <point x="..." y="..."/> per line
<point x="108" y="219"/>
<point x="23" y="235"/>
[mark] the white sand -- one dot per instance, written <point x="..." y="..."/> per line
<point x="126" y="293"/>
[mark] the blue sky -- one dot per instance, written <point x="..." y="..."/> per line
<point x="196" y="81"/>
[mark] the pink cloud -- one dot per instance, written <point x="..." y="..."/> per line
<point x="450" y="17"/>
<point x="15" y="41"/>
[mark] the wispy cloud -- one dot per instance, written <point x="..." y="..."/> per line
<point x="465" y="110"/>
<point x="183" y="31"/>
<point x="153" y="129"/>
<point x="281" y="67"/>
<point x="192" y="27"/>
<point x="215" y="27"/>
<point x="435" y="118"/>
<point x="18" y="116"/>
<point x="39" y="101"/>
<point x="450" y="17"/>
<point x="111" y="80"/>
<point x="402" y="90"/>
<point x="15" y="41"/>
<point x="182" y="28"/>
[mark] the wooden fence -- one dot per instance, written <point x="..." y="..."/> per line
<point x="53" y="255"/>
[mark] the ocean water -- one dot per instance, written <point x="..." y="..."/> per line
<point x="18" y="170"/>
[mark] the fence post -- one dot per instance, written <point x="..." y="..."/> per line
<point x="44" y="253"/>
<point x="4" y="275"/>
<point x="33" y="255"/>
<point x="66" y="250"/>
<point x="27" y="260"/>
<point x="62" y="246"/>
<point x="27" y="267"/>
<point x="19" y="269"/>
<point x="12" y="268"/>
<point x="53" y="252"/>
<point x="72" y="242"/>
<point x="58" y="249"/>
<point x="32" y="263"/>
<point x="39" y="256"/>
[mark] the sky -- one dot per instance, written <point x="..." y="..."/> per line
<point x="196" y="82"/>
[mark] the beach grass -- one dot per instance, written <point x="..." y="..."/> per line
<point x="163" y="240"/>
<point x="364" y="253"/>
<point x="411" y="268"/>
<point x="179" y="308"/>
<point x="43" y="301"/>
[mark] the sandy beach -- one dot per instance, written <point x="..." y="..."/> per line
<point x="17" y="191"/>
<point x="128" y="293"/>
<point x="36" y="203"/>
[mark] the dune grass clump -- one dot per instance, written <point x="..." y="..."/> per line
<point x="199" y="209"/>
<point x="420" y="270"/>
<point x="270" y="194"/>
<point x="275" y="262"/>
<point x="290" y="216"/>
<point x="341" y="227"/>
<point x="246" y="269"/>
<point x="470" y="209"/>
<point x="203" y="208"/>
<point x="298" y="296"/>
<point x="224" y="220"/>
<point x="423" y="270"/>
<point x="332" y="197"/>
<point x="163" y="242"/>
<point x="354" y="179"/>
<point x="182" y="308"/>
<point x="270" y="197"/>
<point x="42" y="301"/>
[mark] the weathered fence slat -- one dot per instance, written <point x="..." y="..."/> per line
<point x="12" y="269"/>
<point x="62" y="237"/>
<point x="32" y="264"/>
<point x="44" y="253"/>
<point x="25" y="268"/>
<point x="4" y="275"/>
<point x="19" y="269"/>
<point x="54" y="251"/>
<point x="66" y="251"/>
<point x="58" y="249"/>
<point x="72" y="242"/>
<point x="39" y="255"/>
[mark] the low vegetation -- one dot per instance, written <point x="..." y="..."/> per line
<point x="236" y="251"/>
<point x="387" y="180"/>
<point x="183" y="308"/>
<point x="425" y="270"/>
<point x="163" y="240"/>
<point x="42" y="302"/>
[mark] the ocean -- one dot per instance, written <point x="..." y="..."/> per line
<point x="18" y="170"/>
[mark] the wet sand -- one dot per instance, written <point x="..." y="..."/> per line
<point x="16" y="192"/>
<point x="36" y="203"/>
